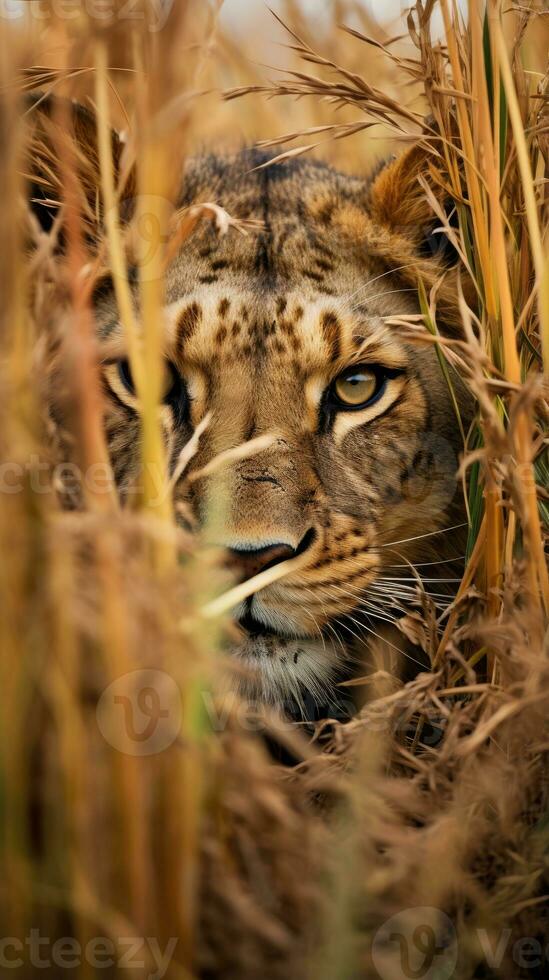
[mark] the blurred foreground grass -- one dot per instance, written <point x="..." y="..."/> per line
<point x="199" y="837"/>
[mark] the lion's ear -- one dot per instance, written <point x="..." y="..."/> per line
<point x="414" y="222"/>
<point x="402" y="196"/>
<point x="63" y="136"/>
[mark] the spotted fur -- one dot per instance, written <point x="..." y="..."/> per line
<point x="257" y="328"/>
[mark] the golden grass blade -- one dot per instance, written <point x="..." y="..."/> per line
<point x="539" y="252"/>
<point x="241" y="592"/>
<point x="112" y="218"/>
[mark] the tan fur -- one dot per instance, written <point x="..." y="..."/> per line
<point x="258" y="328"/>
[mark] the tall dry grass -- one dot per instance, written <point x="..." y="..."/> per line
<point x="431" y="804"/>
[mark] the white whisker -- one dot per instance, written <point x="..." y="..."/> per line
<point x="384" y="639"/>
<point x="345" y="301"/>
<point x="388" y="578"/>
<point x="429" y="534"/>
<point x="389" y="292"/>
<point x="358" y="596"/>
<point x="421" y="564"/>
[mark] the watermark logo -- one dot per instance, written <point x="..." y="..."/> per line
<point x="152" y="13"/>
<point x="416" y="944"/>
<point x="67" y="477"/>
<point x="36" y="952"/>
<point x="140" y="713"/>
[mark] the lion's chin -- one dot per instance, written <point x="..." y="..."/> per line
<point x="286" y="672"/>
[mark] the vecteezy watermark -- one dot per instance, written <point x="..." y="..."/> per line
<point x="430" y="478"/>
<point x="422" y="944"/>
<point x="154" y="13"/>
<point x="67" y="477"/>
<point x="151" y="230"/>
<point x="140" y="712"/>
<point x="416" y="944"/>
<point x="526" y="952"/>
<point x="100" y="953"/>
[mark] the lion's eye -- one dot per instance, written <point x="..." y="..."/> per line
<point x="167" y="384"/>
<point x="356" y="387"/>
<point x="125" y="375"/>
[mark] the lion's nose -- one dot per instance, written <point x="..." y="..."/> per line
<point x="247" y="562"/>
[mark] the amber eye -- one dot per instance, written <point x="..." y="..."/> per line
<point x="167" y="384"/>
<point x="357" y="386"/>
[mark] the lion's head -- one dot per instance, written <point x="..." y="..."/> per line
<point x="287" y="332"/>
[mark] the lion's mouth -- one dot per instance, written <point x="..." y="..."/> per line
<point x="255" y="632"/>
<point x="251" y="627"/>
<point x="295" y="673"/>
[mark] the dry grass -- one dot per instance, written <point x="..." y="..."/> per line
<point x="257" y="869"/>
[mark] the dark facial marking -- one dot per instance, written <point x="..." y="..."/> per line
<point x="331" y="329"/>
<point x="315" y="276"/>
<point x="188" y="322"/>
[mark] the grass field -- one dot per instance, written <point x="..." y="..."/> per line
<point x="388" y="852"/>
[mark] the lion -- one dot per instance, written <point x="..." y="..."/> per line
<point x="297" y="332"/>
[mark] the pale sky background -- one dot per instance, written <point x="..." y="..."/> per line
<point x="241" y="15"/>
<point x="382" y="9"/>
<point x="239" y="12"/>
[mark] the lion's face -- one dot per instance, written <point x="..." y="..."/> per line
<point x="288" y="334"/>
